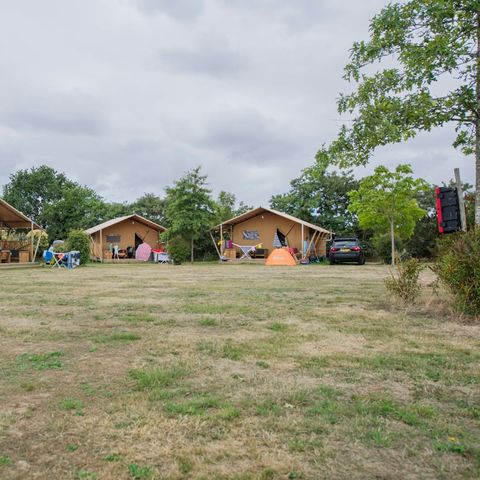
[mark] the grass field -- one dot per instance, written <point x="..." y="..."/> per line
<point x="232" y="372"/>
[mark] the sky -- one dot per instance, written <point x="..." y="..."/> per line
<point x="125" y="96"/>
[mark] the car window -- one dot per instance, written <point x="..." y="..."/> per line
<point x="345" y="243"/>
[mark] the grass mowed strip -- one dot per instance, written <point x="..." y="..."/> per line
<point x="232" y="373"/>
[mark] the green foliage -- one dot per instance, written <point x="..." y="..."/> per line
<point x="404" y="285"/>
<point x="225" y="207"/>
<point x="321" y="197"/>
<point x="190" y="209"/>
<point x="427" y="40"/>
<point x="382" y="246"/>
<point x="385" y="202"/>
<point x="430" y="80"/>
<point x="458" y="268"/>
<point x="179" y="249"/>
<point x="150" y="206"/>
<point x="159" y="378"/>
<point x="140" y="473"/>
<point x="71" y="403"/>
<point x="54" y="201"/>
<point x="80" y="241"/>
<point x="41" y="361"/>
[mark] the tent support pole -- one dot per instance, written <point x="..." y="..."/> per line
<point x="101" y="246"/>
<point x="215" y="245"/>
<point x="303" y="245"/>
<point x="31" y="240"/>
<point x="36" y="248"/>
<point x="311" y="241"/>
<point x="221" y="238"/>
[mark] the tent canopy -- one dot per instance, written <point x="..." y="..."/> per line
<point x="10" y="217"/>
<point x="258" y="211"/>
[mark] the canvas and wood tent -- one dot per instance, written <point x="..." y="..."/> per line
<point x="272" y="229"/>
<point x="15" y="250"/>
<point x="126" y="232"/>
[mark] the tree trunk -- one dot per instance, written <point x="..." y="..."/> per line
<point x="191" y="251"/>
<point x="477" y="129"/>
<point x="392" y="241"/>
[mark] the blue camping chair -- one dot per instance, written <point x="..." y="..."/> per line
<point x="50" y="259"/>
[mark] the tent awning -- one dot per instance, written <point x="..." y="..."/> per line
<point x="10" y="217"/>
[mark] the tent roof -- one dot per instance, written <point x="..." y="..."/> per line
<point x="114" y="221"/>
<point x="10" y="217"/>
<point x="257" y="211"/>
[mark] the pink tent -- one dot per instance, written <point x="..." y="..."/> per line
<point x="143" y="252"/>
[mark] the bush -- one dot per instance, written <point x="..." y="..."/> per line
<point x="383" y="247"/>
<point x="80" y="241"/>
<point x="458" y="269"/>
<point x="179" y="249"/>
<point x="405" y="285"/>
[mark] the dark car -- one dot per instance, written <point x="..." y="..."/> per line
<point x="346" y="250"/>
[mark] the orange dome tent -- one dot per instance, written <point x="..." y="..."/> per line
<point x="280" y="256"/>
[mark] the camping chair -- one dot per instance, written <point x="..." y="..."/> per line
<point x="51" y="259"/>
<point x="161" y="257"/>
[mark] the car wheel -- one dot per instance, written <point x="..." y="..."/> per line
<point x="332" y="261"/>
<point x="361" y="261"/>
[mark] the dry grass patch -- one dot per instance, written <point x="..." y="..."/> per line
<point x="232" y="372"/>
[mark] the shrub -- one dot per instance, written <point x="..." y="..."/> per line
<point x="179" y="249"/>
<point x="404" y="285"/>
<point x="80" y="241"/>
<point x="458" y="269"/>
<point x="383" y="247"/>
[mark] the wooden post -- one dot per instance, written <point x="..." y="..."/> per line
<point x="312" y="240"/>
<point x="101" y="246"/>
<point x="303" y="245"/>
<point x="461" y="203"/>
<point x="221" y="238"/>
<point x="31" y="240"/>
<point x="215" y="245"/>
<point x="36" y="248"/>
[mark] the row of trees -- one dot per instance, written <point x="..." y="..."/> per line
<point x="383" y="209"/>
<point x="61" y="205"/>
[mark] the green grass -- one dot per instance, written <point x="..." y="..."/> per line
<point x="41" y="361"/>
<point x="118" y="337"/>
<point x="148" y="380"/>
<point x="139" y="473"/>
<point x="71" y="403"/>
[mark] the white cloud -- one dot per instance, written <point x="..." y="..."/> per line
<point x="126" y="95"/>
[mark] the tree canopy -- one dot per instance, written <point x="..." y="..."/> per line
<point x="431" y="53"/>
<point x="320" y="197"/>
<point x="385" y="202"/>
<point x="190" y="208"/>
<point x="54" y="201"/>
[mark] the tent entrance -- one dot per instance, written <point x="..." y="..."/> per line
<point x="138" y="241"/>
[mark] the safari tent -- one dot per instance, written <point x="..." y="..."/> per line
<point x="267" y="229"/>
<point x="128" y="233"/>
<point x="16" y="246"/>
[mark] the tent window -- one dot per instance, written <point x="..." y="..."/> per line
<point x="251" y="235"/>
<point x="113" y="238"/>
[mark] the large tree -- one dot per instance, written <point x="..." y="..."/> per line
<point x="320" y="197"/>
<point x="385" y="203"/>
<point x="190" y="208"/>
<point x="150" y="206"/>
<point x="54" y="201"/>
<point x="431" y="53"/>
<point x="32" y="191"/>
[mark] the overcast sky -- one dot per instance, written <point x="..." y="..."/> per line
<point x="126" y="95"/>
